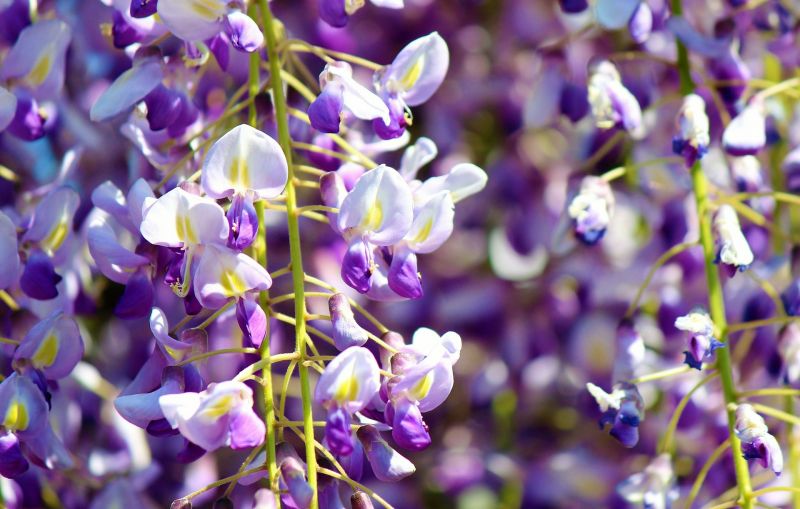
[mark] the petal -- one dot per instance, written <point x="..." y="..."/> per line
<point x="614" y="14"/>
<point x="463" y="181"/>
<point x="12" y="462"/>
<point x="247" y="429"/>
<point x="52" y="219"/>
<point x="243" y="223"/>
<point x="408" y="429"/>
<point x="137" y="299"/>
<point x="9" y="252"/>
<point x="325" y="112"/>
<point x="361" y="101"/>
<point x="252" y="321"/>
<point x="114" y="260"/>
<point x="37" y="59"/>
<point x="23" y="409"/>
<point x="356" y="267"/>
<point x="418" y="70"/>
<point x="223" y="274"/>
<point x="39" y="279"/>
<point x="433" y="224"/>
<point x="387" y="464"/>
<point x="346" y="331"/>
<point x="139" y="194"/>
<point x="8" y="107"/>
<point x="143" y="8"/>
<point x="243" y="32"/>
<point x="163" y="107"/>
<point x="350" y="380"/>
<point x="245" y="160"/>
<point x="404" y="279"/>
<point x="338" y="435"/>
<point x="294" y="477"/>
<point x="181" y="219"/>
<point x="128" y="89"/>
<point x="333" y="12"/>
<point x="192" y="20"/>
<point x="416" y="156"/>
<point x="696" y="42"/>
<point x="29" y="119"/>
<point x="141" y="409"/>
<point x="746" y="134"/>
<point x="380" y="206"/>
<point x="53" y="346"/>
<point x="640" y="24"/>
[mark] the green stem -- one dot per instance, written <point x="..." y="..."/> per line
<point x="263" y="299"/>
<point x="295" y="252"/>
<point x="701" y="476"/>
<point x="716" y="302"/>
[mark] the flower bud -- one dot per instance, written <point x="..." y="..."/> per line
<point x="360" y="500"/>
<point x="181" y="503"/>
<point x="346" y="331"/>
<point x="387" y="464"/>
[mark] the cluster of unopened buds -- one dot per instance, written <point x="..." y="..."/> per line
<point x="188" y="238"/>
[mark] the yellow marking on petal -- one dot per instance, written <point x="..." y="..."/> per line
<point x="208" y="9"/>
<point x="175" y="354"/>
<point x="41" y="69"/>
<point x="240" y="173"/>
<point x="46" y="354"/>
<point x="183" y="226"/>
<point x="374" y="217"/>
<point x="423" y="387"/>
<point x="232" y="283"/>
<point x="424" y="232"/>
<point x="220" y="407"/>
<point x="347" y="391"/>
<point x="412" y="75"/>
<point x="57" y="236"/>
<point x="16" y="418"/>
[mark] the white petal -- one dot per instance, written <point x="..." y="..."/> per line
<point x="192" y="20"/>
<point x="433" y="224"/>
<point x="244" y="159"/>
<point x="127" y="90"/>
<point x="416" y="156"/>
<point x="464" y="180"/>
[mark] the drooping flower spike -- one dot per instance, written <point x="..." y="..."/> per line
<point x="347" y="385"/>
<point x="220" y="416"/>
<point x="341" y="91"/>
<point x="591" y="210"/>
<point x="612" y="104"/>
<point x="623" y="411"/>
<point x="693" y="137"/>
<point x="244" y="165"/>
<point x="410" y="80"/>
<point x="703" y="341"/>
<point x="757" y="442"/>
<point x="195" y="21"/>
<point x="734" y="251"/>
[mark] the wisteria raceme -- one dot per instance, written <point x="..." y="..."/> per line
<point x="332" y="254"/>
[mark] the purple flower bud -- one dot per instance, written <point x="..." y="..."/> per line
<point x="252" y="321"/>
<point x="356" y="267"/>
<point x="324" y="161"/>
<point x="143" y="8"/>
<point x="39" y="279"/>
<point x="623" y="410"/>
<point x="702" y="343"/>
<point x="325" y="113"/>
<point x="398" y="120"/>
<point x="757" y="442"/>
<point x="747" y="132"/>
<point x="387" y="464"/>
<point x="346" y="331"/>
<point x="181" y="503"/>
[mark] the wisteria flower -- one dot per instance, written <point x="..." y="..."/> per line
<point x="734" y="251"/>
<point x="693" y="137"/>
<point x="198" y="20"/>
<point x="220" y="416"/>
<point x="654" y="487"/>
<point x="347" y="385"/>
<point x="613" y="104"/>
<point x="757" y="442"/>
<point x="591" y="210"/>
<point x="623" y="411"/>
<point x="747" y="132"/>
<point x="703" y="341"/>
